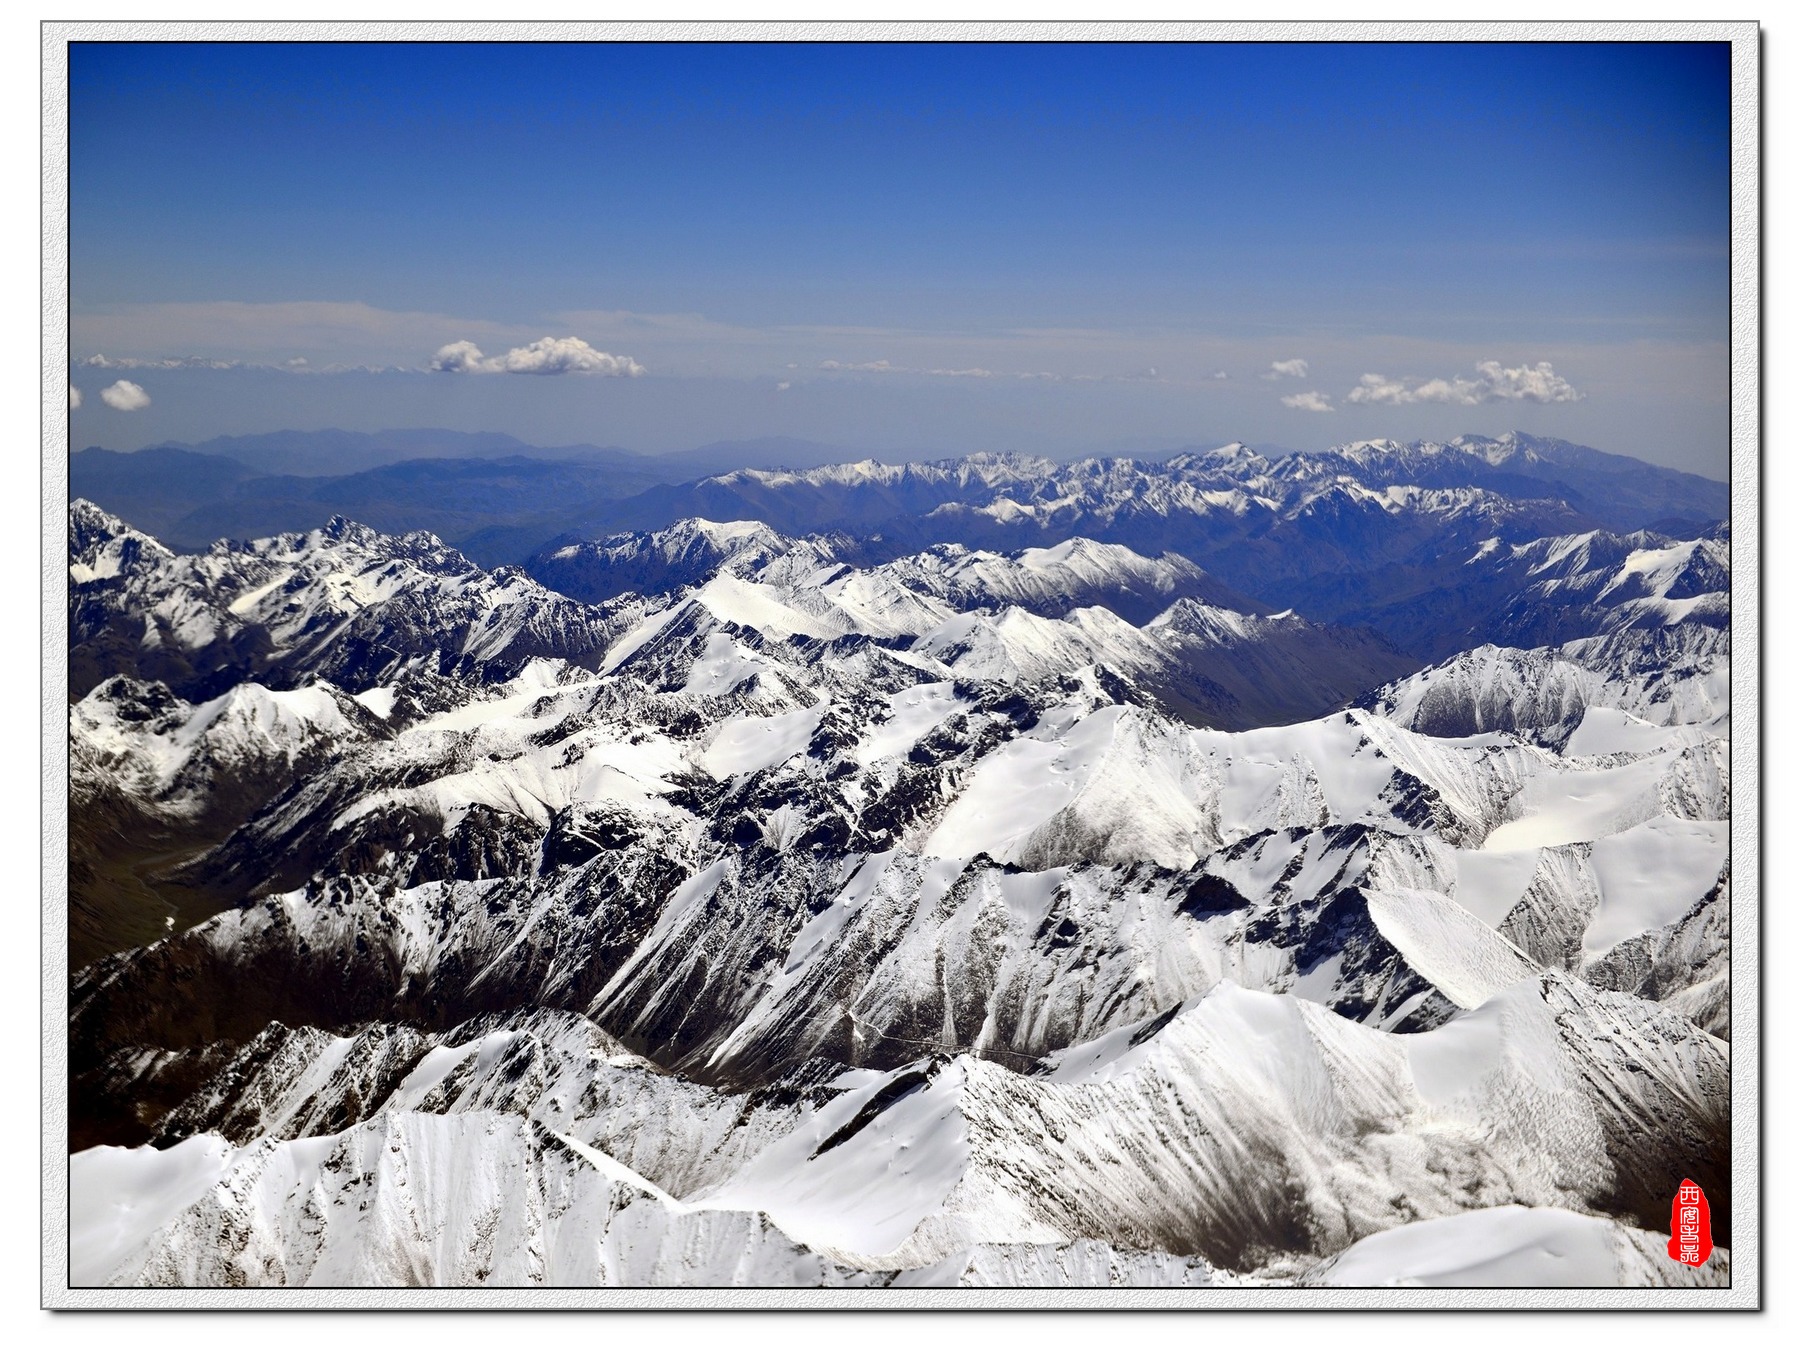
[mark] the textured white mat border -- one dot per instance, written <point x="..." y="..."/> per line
<point x="1746" y="451"/>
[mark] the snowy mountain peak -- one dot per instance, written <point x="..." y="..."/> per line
<point x="1011" y="463"/>
<point x="102" y="546"/>
<point x="343" y="602"/>
<point x="1368" y="451"/>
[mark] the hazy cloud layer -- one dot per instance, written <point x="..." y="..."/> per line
<point x="1310" y="402"/>
<point x="329" y="337"/>
<point x="348" y="333"/>
<point x="888" y="368"/>
<point x="1493" y="383"/>
<point x="125" y="396"/>
<point x="101" y="362"/>
<point x="292" y="366"/>
<point x="546" y="356"/>
<point x="224" y="366"/>
<point x="884" y="367"/>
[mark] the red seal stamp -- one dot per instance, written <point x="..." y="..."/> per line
<point x="1690" y="1225"/>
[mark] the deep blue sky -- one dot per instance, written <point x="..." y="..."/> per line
<point x="733" y="217"/>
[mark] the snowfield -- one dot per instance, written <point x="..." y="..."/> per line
<point x="741" y="904"/>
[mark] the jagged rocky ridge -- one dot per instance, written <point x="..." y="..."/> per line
<point x="832" y="920"/>
<point x="340" y="603"/>
<point x="1368" y="532"/>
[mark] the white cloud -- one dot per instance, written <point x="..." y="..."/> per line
<point x="1310" y="402"/>
<point x="1493" y="383"/>
<point x="546" y="356"/>
<point x="461" y="358"/>
<point x="565" y="356"/>
<point x="74" y="397"/>
<point x="1538" y="384"/>
<point x="785" y="384"/>
<point x="1220" y="375"/>
<point x="1379" y="389"/>
<point x="125" y="396"/>
<point x="1295" y="367"/>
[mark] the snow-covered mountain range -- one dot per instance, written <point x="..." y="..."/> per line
<point x="785" y="897"/>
